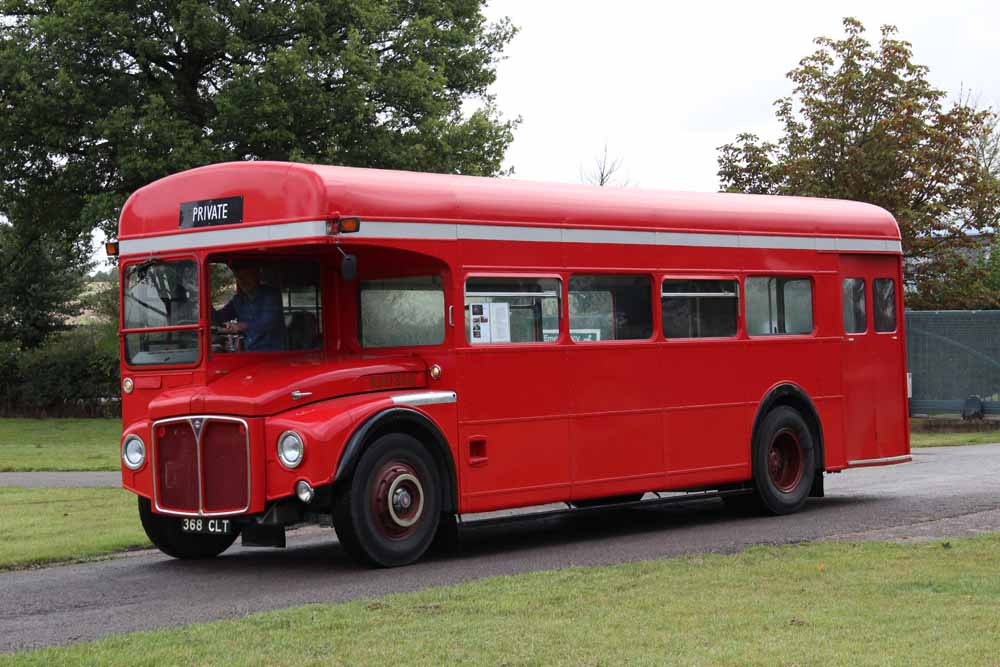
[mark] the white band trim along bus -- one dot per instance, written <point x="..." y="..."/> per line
<point x="258" y="234"/>
<point x="426" y="398"/>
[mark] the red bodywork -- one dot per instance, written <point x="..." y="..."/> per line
<point x="532" y="423"/>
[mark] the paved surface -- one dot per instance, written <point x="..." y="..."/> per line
<point x="37" y="480"/>
<point x="945" y="492"/>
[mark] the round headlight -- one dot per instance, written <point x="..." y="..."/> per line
<point x="128" y="385"/>
<point x="291" y="449"/>
<point x="133" y="452"/>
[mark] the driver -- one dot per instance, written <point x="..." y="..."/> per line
<point x="257" y="311"/>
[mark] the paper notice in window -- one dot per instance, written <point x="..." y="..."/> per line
<point x="479" y="323"/>
<point x="500" y="322"/>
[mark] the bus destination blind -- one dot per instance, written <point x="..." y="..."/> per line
<point x="211" y="212"/>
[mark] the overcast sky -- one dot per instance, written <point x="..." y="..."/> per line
<point x="666" y="83"/>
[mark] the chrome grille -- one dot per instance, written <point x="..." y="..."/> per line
<point x="201" y="466"/>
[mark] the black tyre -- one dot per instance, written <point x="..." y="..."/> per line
<point x="166" y="535"/>
<point x="784" y="462"/>
<point x="609" y="500"/>
<point x="388" y="514"/>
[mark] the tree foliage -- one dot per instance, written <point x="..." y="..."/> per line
<point x="40" y="279"/>
<point x="100" y="97"/>
<point x="863" y="123"/>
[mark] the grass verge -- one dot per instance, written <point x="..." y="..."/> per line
<point x="953" y="439"/>
<point x="59" y="444"/>
<point x="49" y="525"/>
<point x="828" y="603"/>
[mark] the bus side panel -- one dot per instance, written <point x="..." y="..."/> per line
<point x="513" y="428"/>
<point x="706" y="445"/>
<point x="708" y="414"/>
<point x="616" y="428"/>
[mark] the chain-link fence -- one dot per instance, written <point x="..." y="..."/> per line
<point x="953" y="354"/>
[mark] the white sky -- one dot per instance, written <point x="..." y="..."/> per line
<point x="667" y="83"/>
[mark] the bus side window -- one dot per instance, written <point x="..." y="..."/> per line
<point x="778" y="306"/>
<point x="854" y="305"/>
<point x="700" y="308"/>
<point x="512" y="310"/>
<point x="610" y="308"/>
<point x="884" y="293"/>
<point x="398" y="312"/>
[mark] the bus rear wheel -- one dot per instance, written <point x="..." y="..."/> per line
<point x="166" y="535"/>
<point x="784" y="461"/>
<point x="388" y="514"/>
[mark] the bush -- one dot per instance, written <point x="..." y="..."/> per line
<point x="74" y="374"/>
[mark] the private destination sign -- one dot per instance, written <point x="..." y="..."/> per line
<point x="209" y="212"/>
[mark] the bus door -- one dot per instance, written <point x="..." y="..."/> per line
<point x="873" y="379"/>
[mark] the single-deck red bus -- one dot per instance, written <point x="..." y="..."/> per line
<point x="387" y="350"/>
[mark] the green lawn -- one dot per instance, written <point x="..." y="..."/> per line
<point x="47" y="525"/>
<point x="59" y="444"/>
<point x="830" y="603"/>
<point x="953" y="439"/>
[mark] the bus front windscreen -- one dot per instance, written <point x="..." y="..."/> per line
<point x="163" y="297"/>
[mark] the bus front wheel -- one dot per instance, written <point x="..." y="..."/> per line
<point x="166" y="535"/>
<point x="784" y="461"/>
<point x="388" y="514"/>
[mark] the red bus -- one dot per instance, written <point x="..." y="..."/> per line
<point x="388" y="350"/>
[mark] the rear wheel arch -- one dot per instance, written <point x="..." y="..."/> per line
<point x="794" y="396"/>
<point x="412" y="423"/>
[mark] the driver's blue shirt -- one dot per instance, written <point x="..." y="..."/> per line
<point x="263" y="316"/>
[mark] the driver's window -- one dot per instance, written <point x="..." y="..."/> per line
<point x="265" y="305"/>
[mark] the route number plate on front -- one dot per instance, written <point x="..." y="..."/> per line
<point x="207" y="526"/>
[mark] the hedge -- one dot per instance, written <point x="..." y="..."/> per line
<point x="73" y="374"/>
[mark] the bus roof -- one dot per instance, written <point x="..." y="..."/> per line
<point x="279" y="193"/>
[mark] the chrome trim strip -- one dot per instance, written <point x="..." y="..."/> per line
<point x="888" y="459"/>
<point x="211" y="237"/>
<point x="201" y="484"/>
<point x="426" y="398"/>
<point x="439" y="231"/>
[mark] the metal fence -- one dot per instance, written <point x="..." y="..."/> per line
<point x="953" y="354"/>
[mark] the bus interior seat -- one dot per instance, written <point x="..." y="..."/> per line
<point x="303" y="331"/>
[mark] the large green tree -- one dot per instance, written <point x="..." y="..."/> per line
<point x="99" y="97"/>
<point x="864" y="123"/>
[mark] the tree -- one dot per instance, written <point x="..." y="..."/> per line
<point x="100" y="97"/>
<point x="603" y="171"/>
<point x="39" y="284"/>
<point x="864" y="123"/>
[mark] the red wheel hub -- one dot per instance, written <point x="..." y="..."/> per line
<point x="785" y="462"/>
<point x="397" y="500"/>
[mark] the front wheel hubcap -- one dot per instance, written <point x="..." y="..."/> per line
<point x="397" y="499"/>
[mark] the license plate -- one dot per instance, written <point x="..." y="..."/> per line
<point x="204" y="526"/>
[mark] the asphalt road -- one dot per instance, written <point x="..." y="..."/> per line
<point x="49" y="480"/>
<point x="945" y="492"/>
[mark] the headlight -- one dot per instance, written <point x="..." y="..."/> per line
<point x="133" y="452"/>
<point x="291" y="449"/>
